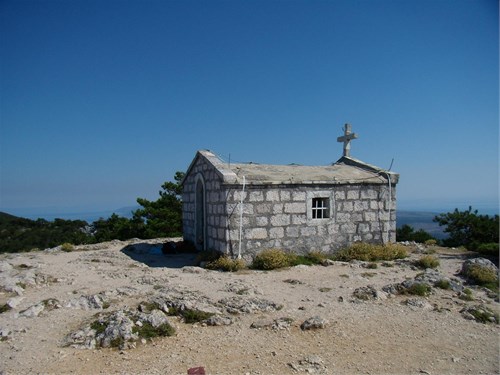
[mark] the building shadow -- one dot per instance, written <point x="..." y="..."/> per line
<point x="153" y="255"/>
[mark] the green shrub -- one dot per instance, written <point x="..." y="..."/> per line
<point x="98" y="327"/>
<point x="67" y="247"/>
<point x="431" y="242"/>
<point x="271" y="259"/>
<point x="427" y="261"/>
<point x="483" y="276"/>
<point x="466" y="295"/>
<point x="442" y="284"/>
<point x="370" y="252"/>
<point x="227" y="264"/>
<point x="418" y="289"/>
<point x="147" y="331"/>
<point x="310" y="259"/>
<point x="488" y="248"/>
<point x="190" y="315"/>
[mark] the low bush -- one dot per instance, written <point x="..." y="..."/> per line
<point x="147" y="331"/>
<point x="4" y="308"/>
<point x="272" y="259"/>
<point x="371" y="253"/>
<point x="488" y="248"/>
<point x="442" y="284"/>
<point x="190" y="315"/>
<point x="483" y="276"/>
<point x="227" y="264"/>
<point x="427" y="261"/>
<point x="310" y="259"/>
<point x="67" y="247"/>
<point x="466" y="295"/>
<point x="431" y="242"/>
<point x="418" y="289"/>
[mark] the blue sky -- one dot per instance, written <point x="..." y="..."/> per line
<point x="103" y="101"/>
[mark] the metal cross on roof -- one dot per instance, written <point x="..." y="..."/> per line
<point x="346" y="138"/>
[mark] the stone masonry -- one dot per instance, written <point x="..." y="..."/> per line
<point x="275" y="206"/>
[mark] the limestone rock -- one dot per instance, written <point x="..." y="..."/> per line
<point x="250" y="305"/>
<point x="33" y="311"/>
<point x="418" y="303"/>
<point x="219" y="320"/>
<point x="315" y="322"/>
<point x="482" y="262"/>
<point x="365" y="293"/>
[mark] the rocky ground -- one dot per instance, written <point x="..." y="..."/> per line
<point x="344" y="318"/>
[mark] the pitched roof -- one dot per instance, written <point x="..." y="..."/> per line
<point x="346" y="170"/>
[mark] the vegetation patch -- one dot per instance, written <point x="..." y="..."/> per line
<point x="483" y="276"/>
<point x="466" y="295"/>
<point x="370" y="252"/>
<point x="226" y="264"/>
<point x="147" y="331"/>
<point x="189" y="315"/>
<point x="271" y="259"/>
<point x="427" y="261"/>
<point x="418" y="289"/>
<point x="67" y="247"/>
<point x="443" y="284"/>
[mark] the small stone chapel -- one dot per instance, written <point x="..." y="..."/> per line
<point x="240" y="209"/>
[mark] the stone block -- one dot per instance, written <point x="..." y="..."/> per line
<point x="292" y="232"/>
<point x="285" y="196"/>
<point x="263" y="208"/>
<point x="256" y="196"/>
<point x="278" y="208"/>
<point x="299" y="219"/>
<point x="347" y="206"/>
<point x="343" y="217"/>
<point x="348" y="228"/>
<point x="272" y="196"/>
<point x="280" y="220"/>
<point x="256" y="233"/>
<point x="295" y="208"/>
<point x="261" y="221"/>
<point x="363" y="228"/>
<point x="339" y="195"/>
<point x="370" y="216"/>
<point x="308" y="231"/>
<point x="360" y="206"/>
<point x="369" y="194"/>
<point x="299" y="196"/>
<point x="278" y="232"/>
<point x="353" y="194"/>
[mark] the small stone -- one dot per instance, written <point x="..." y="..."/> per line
<point x="315" y="322"/>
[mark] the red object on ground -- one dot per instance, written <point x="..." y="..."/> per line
<point x="196" y="371"/>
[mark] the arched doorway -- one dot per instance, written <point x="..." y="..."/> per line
<point x="200" y="221"/>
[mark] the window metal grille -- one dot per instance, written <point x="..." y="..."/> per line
<point x="320" y="208"/>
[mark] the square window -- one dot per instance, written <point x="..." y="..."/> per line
<point x="320" y="208"/>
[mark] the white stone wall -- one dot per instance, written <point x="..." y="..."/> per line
<point x="281" y="217"/>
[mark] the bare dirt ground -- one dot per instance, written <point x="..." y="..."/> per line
<point x="381" y="336"/>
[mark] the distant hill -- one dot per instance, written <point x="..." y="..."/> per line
<point x="21" y="234"/>
<point x="420" y="220"/>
